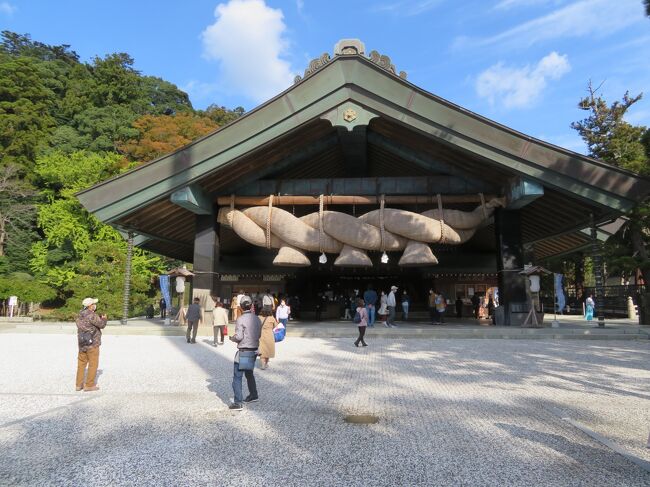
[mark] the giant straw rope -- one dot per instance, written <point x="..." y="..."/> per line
<point x="385" y="229"/>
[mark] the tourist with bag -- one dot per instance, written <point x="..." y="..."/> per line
<point x="247" y="337"/>
<point x="89" y="338"/>
<point x="267" y="339"/>
<point x="361" y="320"/>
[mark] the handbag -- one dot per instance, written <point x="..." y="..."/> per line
<point x="279" y="332"/>
<point x="247" y="360"/>
<point x="225" y="330"/>
<point x="357" y="317"/>
<point x="85" y="338"/>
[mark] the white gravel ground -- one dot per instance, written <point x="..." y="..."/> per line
<point x="451" y="412"/>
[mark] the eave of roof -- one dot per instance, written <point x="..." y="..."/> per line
<point x="355" y="78"/>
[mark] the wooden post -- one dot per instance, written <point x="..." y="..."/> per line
<point x="127" y="279"/>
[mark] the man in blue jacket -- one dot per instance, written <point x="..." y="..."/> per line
<point x="370" y="297"/>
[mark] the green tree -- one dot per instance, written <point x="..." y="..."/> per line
<point x="17" y="218"/>
<point x="610" y="138"/>
<point x="222" y="115"/>
<point x="80" y="256"/>
<point x="25" y="106"/>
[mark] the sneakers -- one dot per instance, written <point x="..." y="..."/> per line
<point x="386" y="325"/>
<point x="250" y="399"/>
<point x="235" y="406"/>
<point x="91" y="389"/>
<point x="364" y="344"/>
<point x="78" y="388"/>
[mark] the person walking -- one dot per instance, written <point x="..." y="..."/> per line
<point x="433" y="314"/>
<point x="590" y="305"/>
<point x="370" y="298"/>
<point x="490" y="308"/>
<point x="220" y="317"/>
<point x="476" y="304"/>
<point x="390" y="304"/>
<point x="382" y="312"/>
<point x="89" y="338"/>
<point x="248" y="330"/>
<point x="267" y="340"/>
<point x="282" y="313"/>
<point x="268" y="301"/>
<point x="362" y="324"/>
<point x="459" y="307"/>
<point x="406" y="304"/>
<point x="193" y="316"/>
<point x="441" y="307"/>
<point x="163" y="308"/>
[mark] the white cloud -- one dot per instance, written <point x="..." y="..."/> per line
<point x="7" y="8"/>
<point x="579" y="19"/>
<point x="247" y="39"/>
<point x="520" y="87"/>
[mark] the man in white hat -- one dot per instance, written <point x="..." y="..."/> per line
<point x="390" y="304"/>
<point x="89" y="337"/>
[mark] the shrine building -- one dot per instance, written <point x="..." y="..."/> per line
<point x="352" y="177"/>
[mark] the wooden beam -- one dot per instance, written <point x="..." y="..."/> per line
<point x="522" y="192"/>
<point x="193" y="198"/>
<point x="417" y="185"/>
<point x="350" y="200"/>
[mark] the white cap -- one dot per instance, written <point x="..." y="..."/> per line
<point x="88" y="301"/>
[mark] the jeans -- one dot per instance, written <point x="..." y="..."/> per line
<point x="284" y="321"/>
<point x="391" y="315"/>
<point x="370" y="308"/>
<point x="237" y="383"/>
<point x="405" y="310"/>
<point x="193" y="327"/>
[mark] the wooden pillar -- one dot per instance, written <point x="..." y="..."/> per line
<point x="510" y="261"/>
<point x="206" y="259"/>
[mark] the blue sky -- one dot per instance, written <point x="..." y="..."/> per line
<point x="523" y="63"/>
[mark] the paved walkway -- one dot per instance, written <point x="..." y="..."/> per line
<point x="451" y="412"/>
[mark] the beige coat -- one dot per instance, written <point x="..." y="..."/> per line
<point x="267" y="341"/>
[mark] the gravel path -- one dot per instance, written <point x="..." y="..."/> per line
<point x="451" y="412"/>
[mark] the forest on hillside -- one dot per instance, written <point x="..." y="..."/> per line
<point x="65" y="125"/>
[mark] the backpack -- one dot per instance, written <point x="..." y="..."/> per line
<point x="357" y="317"/>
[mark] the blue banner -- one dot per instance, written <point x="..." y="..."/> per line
<point x="165" y="290"/>
<point x="560" y="299"/>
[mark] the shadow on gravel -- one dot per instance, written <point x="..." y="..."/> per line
<point x="440" y="406"/>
